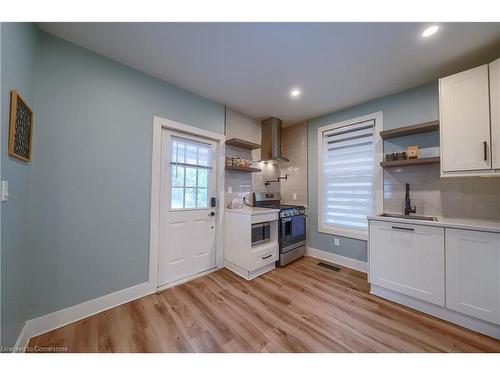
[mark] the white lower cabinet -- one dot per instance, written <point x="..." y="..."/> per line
<point x="473" y="273"/>
<point x="408" y="259"/>
<point x="240" y="256"/>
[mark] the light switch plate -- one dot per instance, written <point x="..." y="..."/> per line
<point x="5" y="191"/>
<point x="229" y="189"/>
<point x="336" y="241"/>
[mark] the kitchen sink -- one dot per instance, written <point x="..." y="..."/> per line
<point x="412" y="217"/>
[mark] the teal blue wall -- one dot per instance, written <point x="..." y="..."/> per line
<point x="76" y="226"/>
<point x="18" y="72"/>
<point x="91" y="180"/>
<point x="406" y="108"/>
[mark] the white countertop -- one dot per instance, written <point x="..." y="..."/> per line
<point x="471" y="224"/>
<point x="252" y="210"/>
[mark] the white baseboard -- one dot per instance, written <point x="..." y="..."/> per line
<point x="469" y="322"/>
<point x="22" y="340"/>
<point x="49" y="322"/>
<point x="337" y="259"/>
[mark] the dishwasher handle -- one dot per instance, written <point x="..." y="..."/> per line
<point x="401" y="228"/>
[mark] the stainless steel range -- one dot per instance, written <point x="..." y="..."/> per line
<point x="292" y="226"/>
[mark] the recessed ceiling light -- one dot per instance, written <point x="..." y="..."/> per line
<point x="430" y="31"/>
<point x="295" y="93"/>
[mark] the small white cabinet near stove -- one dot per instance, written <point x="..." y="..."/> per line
<point x="239" y="255"/>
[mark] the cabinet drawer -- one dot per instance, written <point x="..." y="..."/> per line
<point x="473" y="273"/>
<point x="263" y="255"/>
<point x="262" y="218"/>
<point x="408" y="259"/>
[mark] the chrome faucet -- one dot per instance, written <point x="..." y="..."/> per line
<point x="408" y="209"/>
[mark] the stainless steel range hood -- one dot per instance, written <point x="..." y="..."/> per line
<point x="271" y="140"/>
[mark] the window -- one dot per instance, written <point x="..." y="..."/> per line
<point x="349" y="175"/>
<point x="190" y="169"/>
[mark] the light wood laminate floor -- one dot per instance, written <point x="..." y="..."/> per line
<point x="299" y="308"/>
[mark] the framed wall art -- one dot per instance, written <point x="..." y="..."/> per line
<point x="20" y="127"/>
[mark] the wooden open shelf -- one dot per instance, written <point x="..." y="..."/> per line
<point x="409" y="162"/>
<point x="242" y="169"/>
<point x="409" y="130"/>
<point x="242" y="144"/>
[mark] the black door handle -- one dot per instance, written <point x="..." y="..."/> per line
<point x="211" y="214"/>
<point x="267" y="256"/>
<point x="485" y="148"/>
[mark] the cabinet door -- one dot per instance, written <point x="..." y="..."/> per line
<point x="242" y="127"/>
<point x="473" y="273"/>
<point x="495" y="112"/>
<point x="408" y="259"/>
<point x="465" y="121"/>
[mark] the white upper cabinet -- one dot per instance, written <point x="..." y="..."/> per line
<point x="242" y="127"/>
<point x="465" y="121"/>
<point x="495" y="112"/>
<point x="473" y="273"/>
<point x="469" y="111"/>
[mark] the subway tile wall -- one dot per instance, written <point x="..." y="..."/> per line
<point x="471" y="197"/>
<point x="294" y="147"/>
<point x="243" y="183"/>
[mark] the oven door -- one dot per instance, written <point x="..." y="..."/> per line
<point x="292" y="232"/>
<point x="261" y="233"/>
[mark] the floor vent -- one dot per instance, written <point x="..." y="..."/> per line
<point x="329" y="266"/>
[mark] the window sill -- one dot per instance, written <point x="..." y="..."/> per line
<point x="344" y="232"/>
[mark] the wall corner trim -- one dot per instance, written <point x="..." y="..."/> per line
<point x="49" y="322"/>
<point x="338" y="259"/>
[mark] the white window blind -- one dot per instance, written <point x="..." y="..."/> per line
<point x="348" y="175"/>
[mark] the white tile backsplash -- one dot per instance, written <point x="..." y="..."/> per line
<point x="294" y="147"/>
<point x="471" y="197"/>
<point x="244" y="183"/>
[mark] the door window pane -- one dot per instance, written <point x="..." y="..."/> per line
<point x="203" y="156"/>
<point x="177" y="175"/>
<point x="178" y="152"/>
<point x="190" y="171"/>
<point x="191" y="177"/>
<point x="191" y="154"/>
<point x="190" y="198"/>
<point x="202" y="178"/>
<point x="202" y="198"/>
<point x="177" y="197"/>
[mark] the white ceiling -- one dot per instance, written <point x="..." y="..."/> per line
<point x="251" y="67"/>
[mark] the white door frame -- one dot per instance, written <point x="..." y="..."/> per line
<point x="160" y="123"/>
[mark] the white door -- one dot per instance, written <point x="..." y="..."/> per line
<point x="465" y="121"/>
<point x="408" y="259"/>
<point x="495" y="112"/>
<point x="187" y="220"/>
<point x="473" y="273"/>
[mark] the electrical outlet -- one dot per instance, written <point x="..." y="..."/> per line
<point x="229" y="189"/>
<point x="294" y="196"/>
<point x="336" y="241"/>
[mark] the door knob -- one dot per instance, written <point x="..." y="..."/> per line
<point x="211" y="214"/>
